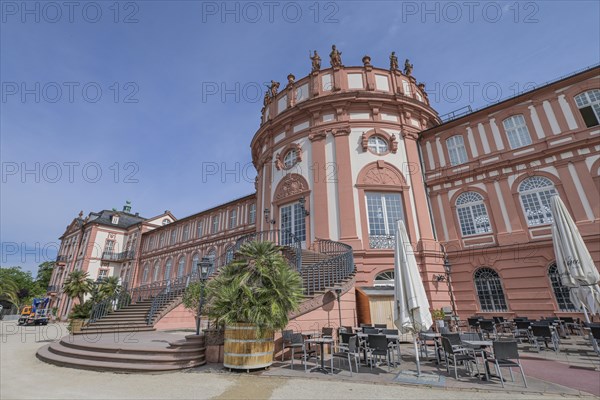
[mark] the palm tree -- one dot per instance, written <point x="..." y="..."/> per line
<point x="109" y="287"/>
<point x="259" y="288"/>
<point x="77" y="285"/>
<point x="9" y="291"/>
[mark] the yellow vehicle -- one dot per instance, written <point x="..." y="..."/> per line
<point x="35" y="314"/>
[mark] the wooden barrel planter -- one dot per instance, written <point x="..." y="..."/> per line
<point x="246" y="349"/>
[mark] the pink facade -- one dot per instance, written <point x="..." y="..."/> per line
<point x="490" y="174"/>
<point x="344" y="152"/>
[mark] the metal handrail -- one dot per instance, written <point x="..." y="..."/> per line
<point x="117" y="301"/>
<point x="328" y="272"/>
<point x="174" y="288"/>
<point x="113" y="256"/>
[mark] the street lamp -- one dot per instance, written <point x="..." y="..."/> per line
<point x="338" y="292"/>
<point x="204" y="267"/>
<point x="302" y="202"/>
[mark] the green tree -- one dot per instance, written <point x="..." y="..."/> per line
<point x="44" y="274"/>
<point x="259" y="287"/>
<point x="24" y="282"/>
<point x="109" y="287"/>
<point x="9" y="291"/>
<point x="77" y="285"/>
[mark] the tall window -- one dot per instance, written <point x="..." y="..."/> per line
<point x="145" y="274"/>
<point x="456" y="150"/>
<point x="151" y="242"/>
<point x="232" y="218"/>
<point x="195" y="261"/>
<point x="109" y="246"/>
<point x="199" y="228"/>
<point x="535" y="195"/>
<point x="181" y="267"/>
<point x="229" y="255"/>
<point x="378" y="145"/>
<point x="186" y="232"/>
<point x="561" y="293"/>
<point x="589" y="106"/>
<point x="215" y="224"/>
<point x="156" y="272"/>
<point x="173" y="236"/>
<point x="162" y="240"/>
<point x="517" y="132"/>
<point x="472" y="214"/>
<point x="489" y="290"/>
<point x="168" y="268"/>
<point x="252" y="214"/>
<point x="383" y="210"/>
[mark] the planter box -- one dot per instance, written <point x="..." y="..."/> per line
<point x="215" y="349"/>
<point x="76" y="325"/>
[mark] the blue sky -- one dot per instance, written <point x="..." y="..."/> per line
<point x="100" y="88"/>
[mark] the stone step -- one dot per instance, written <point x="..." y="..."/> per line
<point x="174" y="357"/>
<point x="120" y="346"/>
<point x="115" y="329"/>
<point x="46" y="355"/>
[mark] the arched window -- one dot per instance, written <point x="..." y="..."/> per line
<point x="385" y="278"/>
<point x="195" y="261"/>
<point x="181" y="267"/>
<point x="168" y="267"/>
<point x="377" y="145"/>
<point x="229" y="254"/>
<point x="156" y="271"/>
<point x="561" y="293"/>
<point x="589" y="106"/>
<point x="489" y="290"/>
<point x="145" y="274"/>
<point x="186" y="233"/>
<point x="535" y="195"/>
<point x="516" y="131"/>
<point x="456" y="150"/>
<point x="472" y="214"/>
<point x="212" y="254"/>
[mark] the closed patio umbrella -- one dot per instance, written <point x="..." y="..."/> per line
<point x="574" y="262"/>
<point x="411" y="307"/>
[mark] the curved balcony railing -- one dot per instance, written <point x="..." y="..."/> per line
<point x="329" y="272"/>
<point x="112" y="256"/>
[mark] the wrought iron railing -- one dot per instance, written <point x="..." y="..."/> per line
<point x="382" y="241"/>
<point x="61" y="258"/>
<point x="112" y="256"/>
<point x="119" y="300"/>
<point x="279" y="237"/>
<point x="331" y="271"/>
<point x="52" y="289"/>
<point x="174" y="288"/>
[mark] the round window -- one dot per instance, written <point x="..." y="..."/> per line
<point x="290" y="159"/>
<point x="378" y="145"/>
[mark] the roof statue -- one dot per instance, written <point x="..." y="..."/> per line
<point x="366" y="61"/>
<point x="335" y="57"/>
<point x="316" y="62"/>
<point x="393" y="61"/>
<point x="408" y="67"/>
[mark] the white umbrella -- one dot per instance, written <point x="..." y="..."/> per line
<point x="574" y="262"/>
<point x="411" y="310"/>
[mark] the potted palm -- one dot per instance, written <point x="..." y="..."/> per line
<point x="252" y="297"/>
<point x="76" y="286"/>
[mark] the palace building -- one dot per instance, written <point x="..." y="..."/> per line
<point x="343" y="153"/>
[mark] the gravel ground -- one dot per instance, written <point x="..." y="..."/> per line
<point x="23" y="376"/>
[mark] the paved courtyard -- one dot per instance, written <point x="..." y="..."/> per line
<point x="23" y="376"/>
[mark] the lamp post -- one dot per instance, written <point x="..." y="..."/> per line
<point x="447" y="270"/>
<point x="204" y="267"/>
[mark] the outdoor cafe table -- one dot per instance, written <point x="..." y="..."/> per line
<point x="479" y="345"/>
<point x="321" y="342"/>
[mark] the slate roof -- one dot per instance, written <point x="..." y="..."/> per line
<point x="104" y="217"/>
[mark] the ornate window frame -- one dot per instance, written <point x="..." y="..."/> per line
<point x="280" y="157"/>
<point x="391" y="140"/>
<point x="496" y="296"/>
<point x="482" y="201"/>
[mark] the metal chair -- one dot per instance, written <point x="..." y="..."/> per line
<point x="351" y="351"/>
<point x="393" y="344"/>
<point x="298" y="343"/>
<point x="470" y="336"/>
<point x="286" y="337"/>
<point x="473" y="323"/>
<point x="487" y="326"/>
<point x="522" y="330"/>
<point x="595" y="336"/>
<point x="344" y="339"/>
<point x="380" y="326"/>
<point x="545" y="333"/>
<point x="365" y="325"/>
<point x="455" y="357"/>
<point x="378" y="346"/>
<point x="506" y="355"/>
<point x="327" y="332"/>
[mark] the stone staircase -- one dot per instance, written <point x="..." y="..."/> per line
<point x="134" y="352"/>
